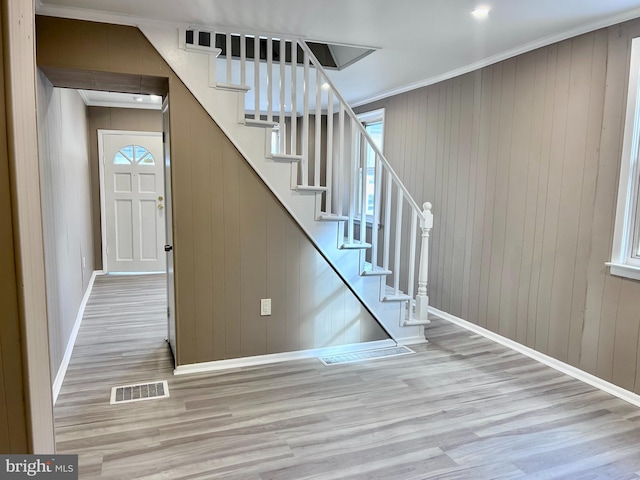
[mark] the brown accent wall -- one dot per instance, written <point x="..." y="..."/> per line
<point x="13" y="421"/>
<point x="521" y="160"/>
<point x="112" y="119"/>
<point x="234" y="243"/>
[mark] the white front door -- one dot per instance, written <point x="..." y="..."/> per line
<point x="133" y="201"/>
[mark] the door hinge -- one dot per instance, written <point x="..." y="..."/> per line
<point x="168" y="312"/>
<point x="164" y="137"/>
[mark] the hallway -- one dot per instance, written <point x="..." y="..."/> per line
<point x="461" y="408"/>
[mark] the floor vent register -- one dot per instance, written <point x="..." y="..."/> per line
<point x="139" y="392"/>
<point x="365" y="355"/>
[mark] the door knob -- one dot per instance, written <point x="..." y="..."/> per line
<point x="160" y="207"/>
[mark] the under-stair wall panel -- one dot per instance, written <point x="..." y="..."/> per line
<point x="521" y="159"/>
<point x="224" y="224"/>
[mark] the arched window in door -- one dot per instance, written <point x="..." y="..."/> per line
<point x="133" y="154"/>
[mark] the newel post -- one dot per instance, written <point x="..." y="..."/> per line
<point x="422" y="299"/>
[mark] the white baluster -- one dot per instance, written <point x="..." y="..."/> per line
<point x="341" y="172"/>
<point x="422" y="299"/>
<point x="294" y="99"/>
<point x="269" y="79"/>
<point x="281" y="115"/>
<point x="329" y="172"/>
<point x="353" y="181"/>
<point x="256" y="76"/>
<point x="376" y="214"/>
<point x="305" y="123"/>
<point x="387" y="222"/>
<point x="363" y="189"/>
<point x="228" y="54"/>
<point x="412" y="260"/>
<point x="243" y="59"/>
<point x="318" y="135"/>
<point x="398" y="243"/>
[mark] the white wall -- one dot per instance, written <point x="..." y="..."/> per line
<point x="66" y="208"/>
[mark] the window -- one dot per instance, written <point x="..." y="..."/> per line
<point x="133" y="154"/>
<point x="625" y="257"/>
<point x="373" y="123"/>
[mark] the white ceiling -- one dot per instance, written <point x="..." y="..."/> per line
<point x="420" y="41"/>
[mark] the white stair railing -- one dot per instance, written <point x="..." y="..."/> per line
<point x="326" y="143"/>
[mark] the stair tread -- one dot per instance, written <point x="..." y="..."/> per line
<point x="285" y="157"/>
<point x="232" y="87"/>
<point x="311" y="188"/>
<point x="329" y="217"/>
<point x="378" y="271"/>
<point x="250" y="122"/>
<point x="354" y="245"/>
<point x="396" y="298"/>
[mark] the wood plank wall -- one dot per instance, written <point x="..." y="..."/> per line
<point x="521" y="160"/>
<point x="13" y="414"/>
<point x="233" y="242"/>
<point x="112" y="119"/>
<point x="65" y="185"/>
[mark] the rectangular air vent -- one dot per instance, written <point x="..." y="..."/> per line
<point x="139" y="392"/>
<point x="365" y="355"/>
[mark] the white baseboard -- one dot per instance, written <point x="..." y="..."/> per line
<point x="412" y="340"/>
<point x="565" y="368"/>
<point x="62" y="371"/>
<point x="279" y="357"/>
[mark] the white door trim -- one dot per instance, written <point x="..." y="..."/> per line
<point x="103" y="215"/>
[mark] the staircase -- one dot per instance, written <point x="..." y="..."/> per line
<point x="285" y="116"/>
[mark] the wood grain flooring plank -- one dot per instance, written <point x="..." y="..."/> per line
<point x="461" y="407"/>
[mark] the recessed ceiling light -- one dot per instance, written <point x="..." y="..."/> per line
<point x="481" y="13"/>
<point x="138" y="99"/>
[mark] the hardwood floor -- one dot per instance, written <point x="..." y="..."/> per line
<point x="461" y="408"/>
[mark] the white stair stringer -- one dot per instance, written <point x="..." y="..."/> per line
<point x="193" y="68"/>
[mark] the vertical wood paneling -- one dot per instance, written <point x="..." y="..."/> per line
<point x="525" y="330"/>
<point x="200" y="146"/>
<point x="231" y="226"/>
<point x="463" y="140"/>
<point x="486" y="79"/>
<point x="276" y="275"/>
<point x="504" y="161"/>
<point x="13" y="410"/>
<point x="516" y="195"/>
<point x="183" y="221"/>
<point x="18" y="32"/>
<point x="233" y="242"/>
<point x="592" y="147"/>
<point x="67" y="222"/>
<point x="253" y="265"/>
<point x="487" y="234"/>
<point x="220" y="288"/>
<point x="533" y="325"/>
<point x="292" y="284"/>
<point x="474" y="111"/>
<point x="520" y="160"/>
